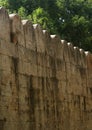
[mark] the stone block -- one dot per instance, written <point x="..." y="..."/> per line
<point x="71" y="53"/>
<point x="5" y="63"/>
<point x="8" y="49"/>
<point x="39" y="38"/>
<point x="4" y="25"/>
<point x="65" y="49"/>
<point x="47" y="41"/>
<point x="17" y="33"/>
<point x="29" y="35"/>
<point x="77" y="56"/>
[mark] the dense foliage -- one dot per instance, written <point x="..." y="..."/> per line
<point x="71" y="19"/>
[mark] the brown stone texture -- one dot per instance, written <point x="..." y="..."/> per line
<point x="4" y="25"/>
<point x="45" y="82"/>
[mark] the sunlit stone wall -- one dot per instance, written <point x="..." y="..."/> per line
<point x="45" y="82"/>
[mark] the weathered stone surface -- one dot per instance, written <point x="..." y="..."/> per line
<point x="29" y="35"/>
<point x="4" y="25"/>
<point x="45" y="82"/>
<point x="65" y="51"/>
<point x="39" y="38"/>
<point x="17" y="33"/>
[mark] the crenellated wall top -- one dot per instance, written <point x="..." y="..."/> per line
<point x="32" y="36"/>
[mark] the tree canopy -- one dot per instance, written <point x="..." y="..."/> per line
<point x="70" y="19"/>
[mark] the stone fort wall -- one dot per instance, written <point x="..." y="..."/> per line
<point x="45" y="82"/>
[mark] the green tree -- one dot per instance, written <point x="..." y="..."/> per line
<point x="42" y="17"/>
<point x="75" y="22"/>
<point x="14" y="5"/>
<point x="4" y="3"/>
<point x="22" y="12"/>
